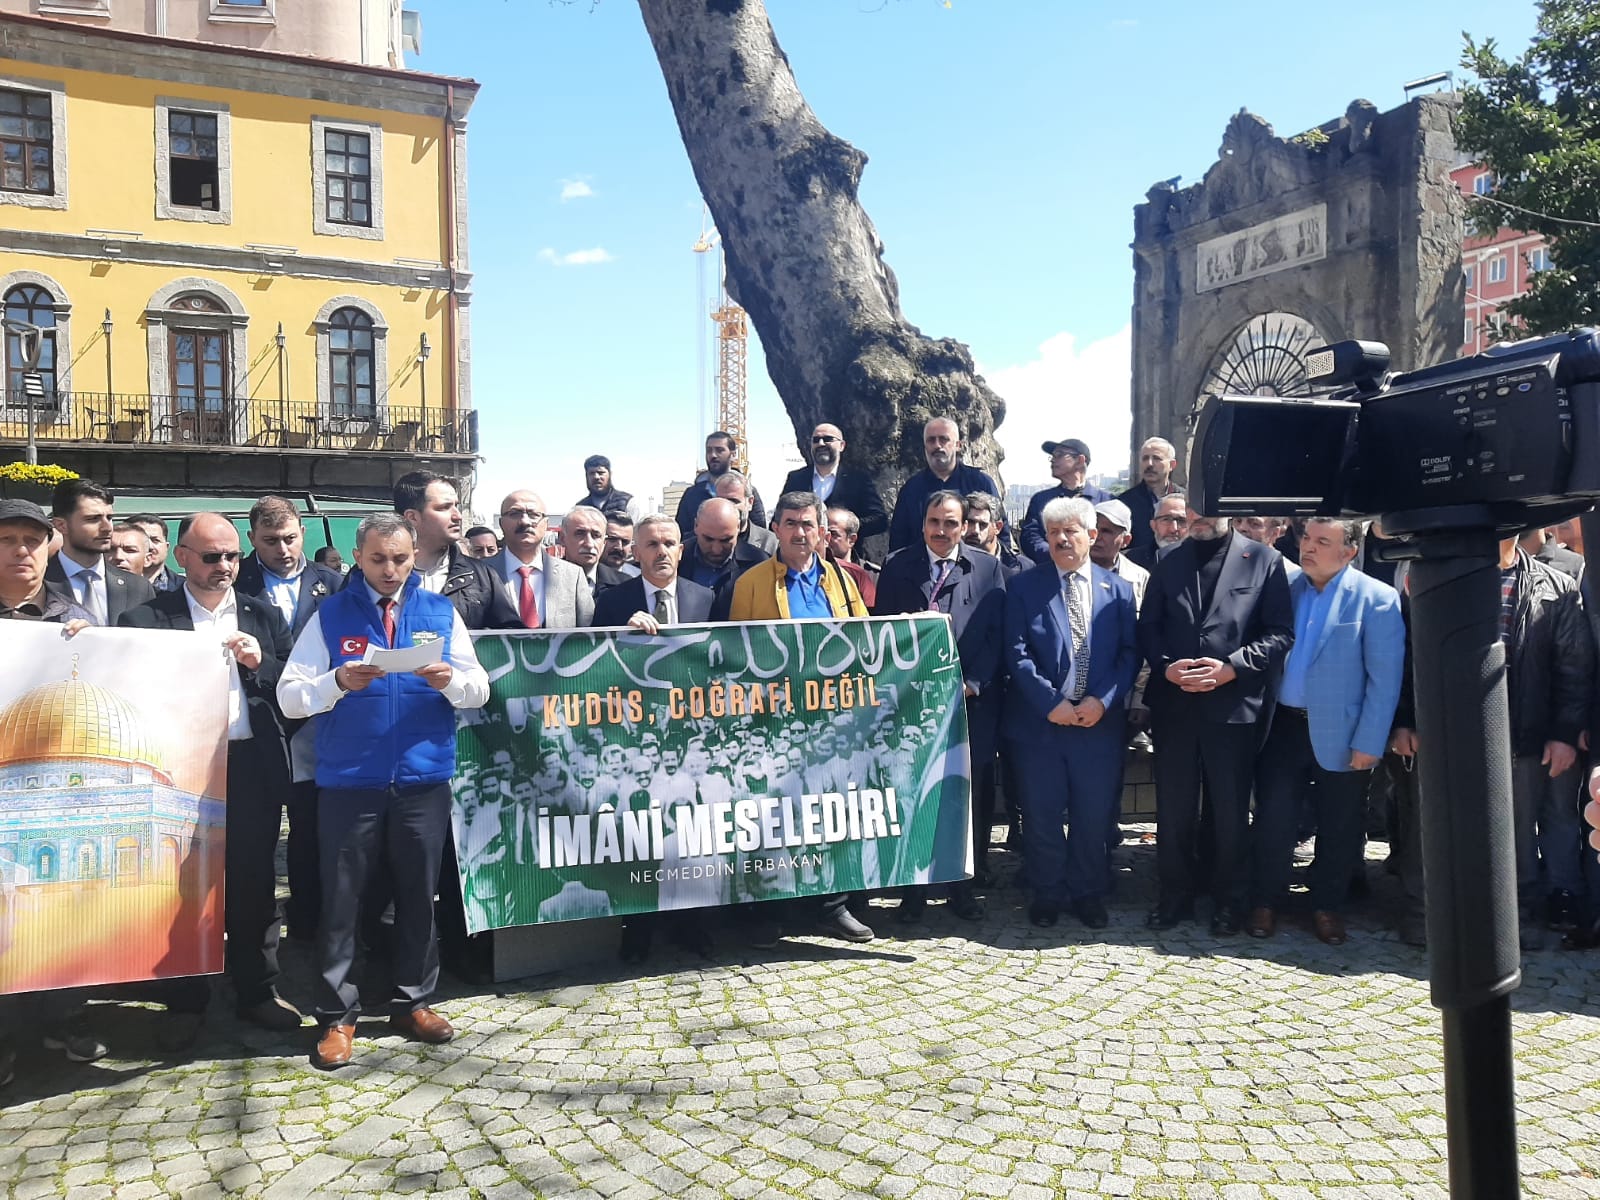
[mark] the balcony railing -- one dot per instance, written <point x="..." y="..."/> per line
<point x="136" y="419"/>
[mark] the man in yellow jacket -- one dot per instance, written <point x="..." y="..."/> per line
<point x="797" y="584"/>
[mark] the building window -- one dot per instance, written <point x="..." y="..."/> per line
<point x="347" y="178"/>
<point x="352" y="363"/>
<point x="33" y="142"/>
<point x="1468" y="332"/>
<point x="194" y="160"/>
<point x="32" y="305"/>
<point x="26" y="142"/>
<point x="250" y="12"/>
<point x="1497" y="269"/>
<point x="75" y="8"/>
<point x="1472" y="276"/>
<point x="1539" y="260"/>
<point x="1482" y="183"/>
<point x="198" y="348"/>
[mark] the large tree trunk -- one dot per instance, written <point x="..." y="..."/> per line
<point x="803" y="257"/>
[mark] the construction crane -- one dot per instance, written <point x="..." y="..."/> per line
<point x="733" y="333"/>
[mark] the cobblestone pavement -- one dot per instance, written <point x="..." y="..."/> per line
<point x="943" y="1060"/>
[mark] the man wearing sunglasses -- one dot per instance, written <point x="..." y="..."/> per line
<point x="253" y="636"/>
<point x="837" y="487"/>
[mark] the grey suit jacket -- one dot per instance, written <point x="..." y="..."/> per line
<point x="568" y="602"/>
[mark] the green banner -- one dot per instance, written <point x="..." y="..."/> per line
<point x="618" y="772"/>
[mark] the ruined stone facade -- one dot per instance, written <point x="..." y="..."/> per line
<point x="1351" y="230"/>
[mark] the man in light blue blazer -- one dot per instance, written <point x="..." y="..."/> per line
<point x="1336" y="702"/>
<point x="1072" y="650"/>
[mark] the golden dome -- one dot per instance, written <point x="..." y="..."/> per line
<point x="73" y="719"/>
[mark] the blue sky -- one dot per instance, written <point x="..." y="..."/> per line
<point x="1008" y="141"/>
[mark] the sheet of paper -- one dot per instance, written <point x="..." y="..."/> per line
<point x="406" y="658"/>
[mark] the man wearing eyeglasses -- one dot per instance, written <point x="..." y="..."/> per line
<point x="253" y="635"/>
<point x="534" y="590"/>
<point x="1069" y="464"/>
<point x="1170" y="526"/>
<point x="837" y="487"/>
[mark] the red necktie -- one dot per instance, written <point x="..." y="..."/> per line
<point x="387" y="605"/>
<point x="528" y="605"/>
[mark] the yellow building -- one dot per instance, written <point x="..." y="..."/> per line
<point x="250" y="267"/>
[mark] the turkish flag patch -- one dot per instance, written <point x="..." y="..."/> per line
<point x="353" y="645"/>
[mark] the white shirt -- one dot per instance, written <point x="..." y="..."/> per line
<point x="822" y="485"/>
<point x="222" y="623"/>
<point x="511" y="567"/>
<point x="96" y="603"/>
<point x="671" y="590"/>
<point x="283" y="591"/>
<point x="434" y="580"/>
<point x="308" y="687"/>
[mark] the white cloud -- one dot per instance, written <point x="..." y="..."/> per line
<point x="575" y="189"/>
<point x="1067" y="392"/>
<point x="576" y="258"/>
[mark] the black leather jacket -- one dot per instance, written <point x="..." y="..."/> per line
<point x="1550" y="658"/>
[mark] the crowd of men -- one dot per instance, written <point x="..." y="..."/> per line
<point x="1264" y="664"/>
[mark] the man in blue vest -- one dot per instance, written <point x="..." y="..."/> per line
<point x="386" y="752"/>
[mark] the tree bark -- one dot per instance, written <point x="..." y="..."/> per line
<point x="803" y="257"/>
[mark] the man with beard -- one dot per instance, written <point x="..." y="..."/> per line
<point x="1170" y="526"/>
<point x="717" y="556"/>
<point x="81" y="513"/>
<point x="156" y="571"/>
<point x="618" y="551"/>
<point x="837" y="487"/>
<point x="1069" y="464"/>
<point x="840" y="538"/>
<point x="583" y="541"/>
<point x="721" y="446"/>
<point x="603" y="493"/>
<point x="433" y="506"/>
<point x="1157" y="461"/>
<point x="534" y="590"/>
<point x="986" y="519"/>
<point x="482" y="542"/>
<point x="1216" y="625"/>
<point x="941" y="446"/>
<point x="130" y="548"/>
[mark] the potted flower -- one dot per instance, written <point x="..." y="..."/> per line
<point x="27" y="481"/>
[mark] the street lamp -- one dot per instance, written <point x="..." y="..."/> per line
<point x="105" y="328"/>
<point x="283" y="395"/>
<point x="423" y="353"/>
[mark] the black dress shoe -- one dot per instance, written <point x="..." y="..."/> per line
<point x="1169" y="915"/>
<point x="1043" y="915"/>
<point x="964" y="904"/>
<point x="635" y="946"/>
<point x="1092" y="912"/>
<point x="1225" y="922"/>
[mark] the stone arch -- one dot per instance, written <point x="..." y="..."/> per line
<point x="380" y="354"/>
<point x="161" y="315"/>
<point x="63" y="310"/>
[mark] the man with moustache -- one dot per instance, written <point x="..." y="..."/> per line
<point x="582" y="541"/>
<point x="603" y="494"/>
<point x="156" y="571"/>
<point x="432" y="504"/>
<point x="257" y="643"/>
<point x="482" y="542"/>
<point x="941" y="446"/>
<point x="81" y="513"/>
<point x="130" y="548"/>
<point x="721" y="446"/>
<point x="841" y="534"/>
<point x="717" y="555"/>
<point x="276" y="571"/>
<point x="946" y="575"/>
<point x="534" y="590"/>
<point x="1216" y="624"/>
<point x="1069" y="464"/>
<point x="986" y="519"/>
<point x="1169" y="526"/>
<point x="618" y="551"/>
<point x="734" y="487"/>
<point x="796" y="584"/>
<point x="829" y="480"/>
<point x="385" y="759"/>
<point x="1158" y="459"/>
<point x="1110" y="538"/>
<point x="658" y="598"/>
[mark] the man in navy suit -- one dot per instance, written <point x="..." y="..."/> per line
<point x="946" y="575"/>
<point x="81" y="511"/>
<point x="1341" y="684"/>
<point x="1071" y="648"/>
<point x="1215" y="626"/>
<point x="659" y="596"/>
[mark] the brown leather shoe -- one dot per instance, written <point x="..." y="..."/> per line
<point x="423" y="1025"/>
<point x="333" y="1047"/>
<point x="1329" y="927"/>
<point x="1263" y="922"/>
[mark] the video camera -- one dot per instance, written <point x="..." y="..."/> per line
<point x="1505" y="439"/>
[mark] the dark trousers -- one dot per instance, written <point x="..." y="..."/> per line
<point x="1074" y="776"/>
<point x="1406" y="840"/>
<point x="404" y="831"/>
<point x="258" y="784"/>
<point x="1284" y="774"/>
<point x="1223" y="756"/>
<point x="304" y="909"/>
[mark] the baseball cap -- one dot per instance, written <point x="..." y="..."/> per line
<point x="24" y="510"/>
<point x="1116" y="512"/>
<point x="1075" y="445"/>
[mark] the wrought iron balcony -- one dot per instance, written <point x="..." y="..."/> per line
<point x="185" y="422"/>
